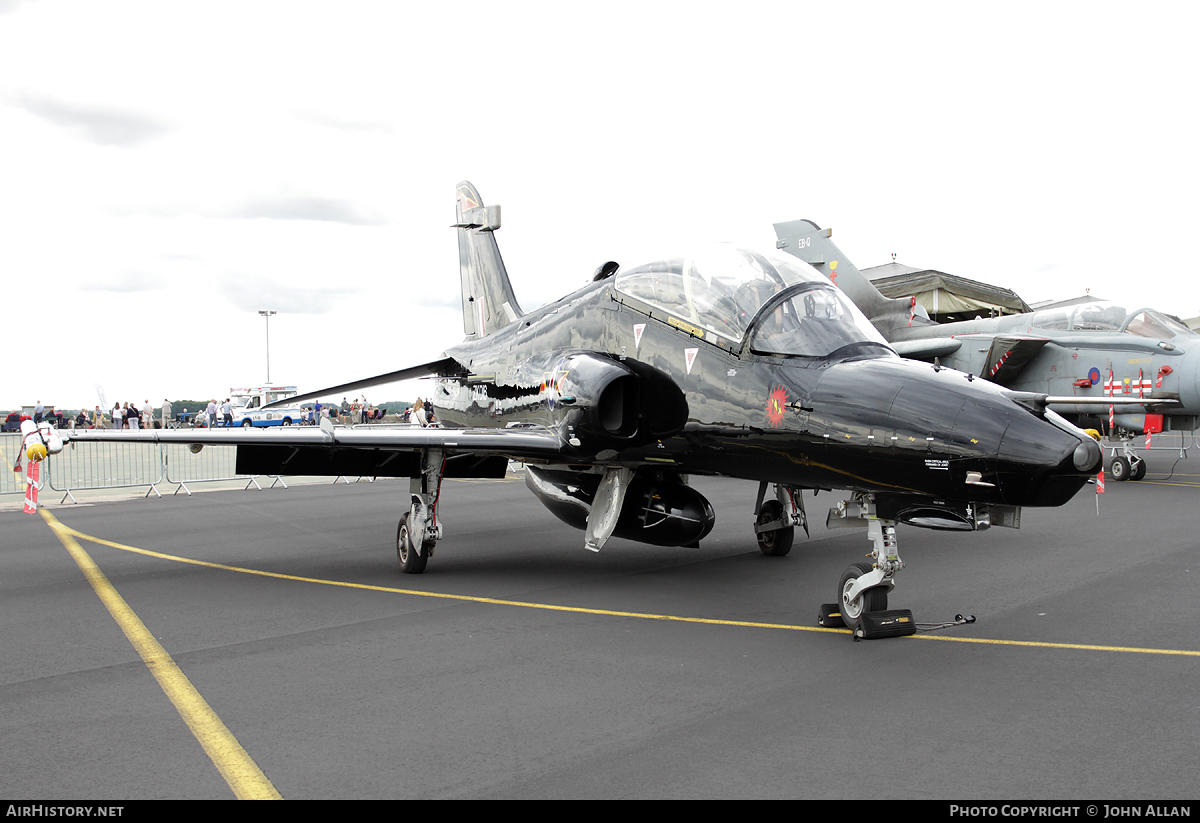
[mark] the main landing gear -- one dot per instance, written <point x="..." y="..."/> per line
<point x="419" y="528"/>
<point x="775" y="520"/>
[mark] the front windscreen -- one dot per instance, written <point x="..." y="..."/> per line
<point x="721" y="290"/>
<point x="811" y="321"/>
<point x="1156" y="324"/>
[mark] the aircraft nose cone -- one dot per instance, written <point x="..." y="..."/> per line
<point x="1087" y="456"/>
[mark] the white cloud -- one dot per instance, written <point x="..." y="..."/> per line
<point x="168" y="172"/>
<point x="97" y="124"/>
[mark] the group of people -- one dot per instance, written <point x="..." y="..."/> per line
<point x="218" y="414"/>
<point x="128" y="416"/>
<point x="421" y="414"/>
<point x="348" y="413"/>
<point x="358" y="410"/>
<point x="131" y="416"/>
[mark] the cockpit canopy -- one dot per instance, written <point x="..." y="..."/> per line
<point x="1111" y="317"/>
<point x="724" y="294"/>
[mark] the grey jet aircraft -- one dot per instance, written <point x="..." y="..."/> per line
<point x="724" y="362"/>
<point x="1128" y="371"/>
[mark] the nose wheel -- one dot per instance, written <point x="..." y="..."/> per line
<point x="1127" y="468"/>
<point x="853" y="604"/>
<point x="862" y="593"/>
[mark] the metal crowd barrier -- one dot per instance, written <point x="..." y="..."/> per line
<point x="1179" y="441"/>
<point x="92" y="465"/>
<point x="183" y="466"/>
<point x="96" y="465"/>
<point x="10" y="481"/>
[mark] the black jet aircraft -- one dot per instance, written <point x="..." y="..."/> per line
<point x="727" y="362"/>
<point x="1129" y="371"/>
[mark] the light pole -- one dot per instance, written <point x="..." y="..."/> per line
<point x="267" y="316"/>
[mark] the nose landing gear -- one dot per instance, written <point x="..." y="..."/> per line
<point x="863" y="588"/>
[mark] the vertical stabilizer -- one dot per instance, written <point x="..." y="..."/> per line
<point x="487" y="295"/>
<point x="811" y="243"/>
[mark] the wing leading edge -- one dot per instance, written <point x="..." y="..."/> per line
<point x="438" y="368"/>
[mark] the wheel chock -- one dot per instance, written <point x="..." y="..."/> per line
<point x="889" y="623"/>
<point x="830" y="616"/>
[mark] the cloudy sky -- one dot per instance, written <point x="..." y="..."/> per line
<point x="169" y="168"/>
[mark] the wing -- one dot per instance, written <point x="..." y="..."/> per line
<point x="378" y="452"/>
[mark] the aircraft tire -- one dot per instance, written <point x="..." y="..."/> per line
<point x="872" y="600"/>
<point x="1139" y="471"/>
<point x="1120" y="469"/>
<point x="779" y="542"/>
<point x="410" y="562"/>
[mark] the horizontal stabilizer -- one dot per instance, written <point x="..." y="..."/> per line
<point x="444" y="367"/>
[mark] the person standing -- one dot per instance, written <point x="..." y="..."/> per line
<point x="210" y="412"/>
<point x="118" y="416"/>
<point x="166" y="412"/>
<point x="38" y="411"/>
<point x="133" y="416"/>
<point x="227" y="413"/>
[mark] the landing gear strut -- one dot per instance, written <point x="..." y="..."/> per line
<point x="1127" y="466"/>
<point x="863" y="587"/>
<point x="775" y="520"/>
<point x="419" y="528"/>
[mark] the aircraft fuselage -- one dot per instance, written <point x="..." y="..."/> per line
<point x="865" y="421"/>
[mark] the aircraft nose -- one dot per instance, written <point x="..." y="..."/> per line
<point x="1045" y="459"/>
<point x="968" y="435"/>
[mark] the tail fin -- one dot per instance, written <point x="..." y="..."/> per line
<point x="811" y="243"/>
<point x="488" y="299"/>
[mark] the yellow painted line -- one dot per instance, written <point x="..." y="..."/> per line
<point x="235" y="765"/>
<point x="606" y="612"/>
<point x="1083" y="646"/>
